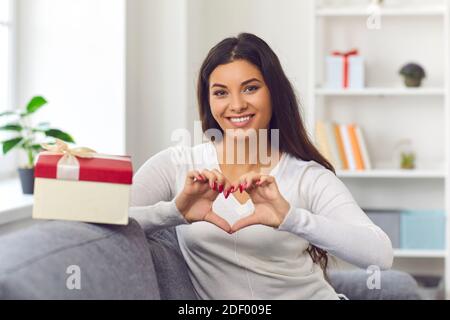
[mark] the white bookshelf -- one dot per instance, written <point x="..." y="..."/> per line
<point x="402" y="253"/>
<point x="392" y="173"/>
<point x="362" y="11"/>
<point x="382" y="92"/>
<point x="387" y="111"/>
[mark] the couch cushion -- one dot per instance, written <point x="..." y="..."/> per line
<point x="174" y="281"/>
<point x="171" y="268"/>
<point x="394" y="285"/>
<point x="114" y="262"/>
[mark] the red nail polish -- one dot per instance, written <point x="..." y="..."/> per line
<point x="240" y="188"/>
<point x="221" y="188"/>
<point x="227" y="193"/>
<point x="232" y="189"/>
<point x="214" y="186"/>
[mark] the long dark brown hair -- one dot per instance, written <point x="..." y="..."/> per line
<point x="286" y="118"/>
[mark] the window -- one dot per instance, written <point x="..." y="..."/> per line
<point x="7" y="163"/>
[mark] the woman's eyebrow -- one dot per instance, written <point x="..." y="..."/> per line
<point x="248" y="81"/>
<point x="242" y="84"/>
<point x="218" y="85"/>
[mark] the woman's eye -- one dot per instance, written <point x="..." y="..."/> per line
<point x="251" y="88"/>
<point x="219" y="93"/>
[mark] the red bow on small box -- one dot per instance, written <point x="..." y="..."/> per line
<point x="346" y="56"/>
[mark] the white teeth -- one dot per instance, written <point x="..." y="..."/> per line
<point x="240" y="119"/>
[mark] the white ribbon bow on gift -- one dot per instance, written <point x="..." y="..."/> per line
<point x="68" y="167"/>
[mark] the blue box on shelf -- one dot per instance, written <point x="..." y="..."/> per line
<point x="422" y="229"/>
<point x="388" y="221"/>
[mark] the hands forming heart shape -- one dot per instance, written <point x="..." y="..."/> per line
<point x="202" y="188"/>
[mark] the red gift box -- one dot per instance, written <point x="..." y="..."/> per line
<point x="113" y="170"/>
<point x="82" y="185"/>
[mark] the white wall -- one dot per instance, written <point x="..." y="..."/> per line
<point x="73" y="53"/>
<point x="167" y="42"/>
<point x="282" y="24"/>
<point x="196" y="51"/>
<point x="156" y="76"/>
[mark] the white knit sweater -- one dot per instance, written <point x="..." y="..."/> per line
<point x="260" y="262"/>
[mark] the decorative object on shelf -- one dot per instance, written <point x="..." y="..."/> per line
<point x="79" y="184"/>
<point x="404" y="154"/>
<point x="413" y="74"/>
<point x="345" y="70"/>
<point x="408" y="160"/>
<point x="405" y="228"/>
<point x="389" y="221"/>
<point x="417" y="223"/>
<point x="377" y="2"/>
<point x="27" y="136"/>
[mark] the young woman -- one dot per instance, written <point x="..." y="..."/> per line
<point x="247" y="229"/>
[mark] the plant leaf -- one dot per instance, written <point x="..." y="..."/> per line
<point x="35" y="103"/>
<point x="9" y="144"/>
<point x="36" y="147"/>
<point x="12" y="127"/>
<point x="56" y="133"/>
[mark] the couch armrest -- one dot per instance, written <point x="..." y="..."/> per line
<point x="114" y="262"/>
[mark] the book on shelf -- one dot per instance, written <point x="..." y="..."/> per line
<point x="343" y="145"/>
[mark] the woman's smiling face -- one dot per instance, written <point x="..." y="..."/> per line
<point x="239" y="97"/>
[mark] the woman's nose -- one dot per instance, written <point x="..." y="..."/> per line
<point x="238" y="104"/>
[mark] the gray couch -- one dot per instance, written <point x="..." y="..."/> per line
<point x="122" y="262"/>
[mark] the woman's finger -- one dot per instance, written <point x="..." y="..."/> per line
<point x="245" y="222"/>
<point x="221" y="180"/>
<point x="211" y="177"/>
<point x="251" y="179"/>
<point x="225" y="186"/>
<point x="192" y="176"/>
<point x="229" y="189"/>
<point x="243" y="181"/>
<point x="215" y="219"/>
<point x="265" y="180"/>
<point x="201" y="178"/>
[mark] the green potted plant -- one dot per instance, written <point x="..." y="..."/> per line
<point x="28" y="138"/>
<point x="407" y="160"/>
<point x="413" y="74"/>
<point x="405" y="155"/>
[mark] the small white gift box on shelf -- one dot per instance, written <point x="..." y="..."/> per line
<point x="345" y="70"/>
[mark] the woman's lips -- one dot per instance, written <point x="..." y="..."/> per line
<point x="240" y="122"/>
